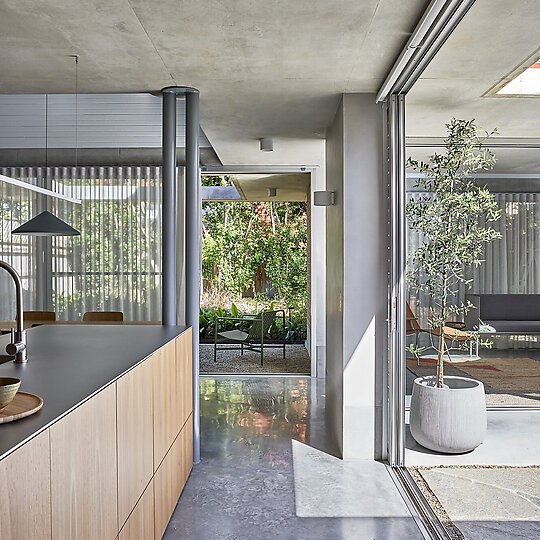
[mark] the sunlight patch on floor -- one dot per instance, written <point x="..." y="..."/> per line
<point x="326" y="486"/>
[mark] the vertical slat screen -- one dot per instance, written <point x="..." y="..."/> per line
<point x="115" y="265"/>
<point x="16" y="207"/>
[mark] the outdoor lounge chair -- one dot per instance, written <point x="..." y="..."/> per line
<point x="412" y="326"/>
<point x="253" y="339"/>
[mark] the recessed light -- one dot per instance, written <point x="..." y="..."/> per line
<point x="266" y="144"/>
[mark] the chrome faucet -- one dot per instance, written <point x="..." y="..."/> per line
<point x="17" y="347"/>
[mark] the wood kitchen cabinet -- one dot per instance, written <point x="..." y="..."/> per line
<point x="84" y="470"/>
<point x="135" y="421"/>
<point x="112" y="467"/>
<point x="186" y="436"/>
<point x="173" y="427"/>
<point x="167" y="389"/>
<point x="25" y="497"/>
<point x="171" y="477"/>
<point x="184" y="365"/>
<point x="173" y="396"/>
<point x="140" y="524"/>
<point x="166" y="488"/>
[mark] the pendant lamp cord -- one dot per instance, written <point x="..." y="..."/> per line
<point x="47" y="183"/>
<point x="76" y="109"/>
<point x="46" y="131"/>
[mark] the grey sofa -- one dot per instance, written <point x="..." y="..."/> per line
<point x="518" y="313"/>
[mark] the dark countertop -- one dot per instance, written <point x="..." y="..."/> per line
<point x="69" y="364"/>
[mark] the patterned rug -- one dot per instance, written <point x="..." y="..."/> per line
<point x="508" y="381"/>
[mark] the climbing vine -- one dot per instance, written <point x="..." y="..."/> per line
<point x="243" y="241"/>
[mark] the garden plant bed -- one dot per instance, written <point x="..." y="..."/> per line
<point x="435" y="504"/>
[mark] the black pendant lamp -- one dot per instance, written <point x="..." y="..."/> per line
<point x="45" y="224"/>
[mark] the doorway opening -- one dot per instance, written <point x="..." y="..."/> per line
<point x="255" y="294"/>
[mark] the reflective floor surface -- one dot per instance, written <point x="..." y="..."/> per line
<point x="251" y="483"/>
<point x="512" y="439"/>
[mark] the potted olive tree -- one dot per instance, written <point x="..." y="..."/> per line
<point x="452" y="213"/>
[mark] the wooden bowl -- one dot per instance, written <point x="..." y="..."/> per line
<point x="8" y="389"/>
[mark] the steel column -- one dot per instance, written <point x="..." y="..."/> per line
<point x="168" y="212"/>
<point x="192" y="228"/>
<point x="193" y="250"/>
<point x="397" y="339"/>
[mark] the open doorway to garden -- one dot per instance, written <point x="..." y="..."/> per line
<point x="255" y="274"/>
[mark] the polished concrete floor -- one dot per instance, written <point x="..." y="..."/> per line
<point x="512" y="438"/>
<point x="268" y="471"/>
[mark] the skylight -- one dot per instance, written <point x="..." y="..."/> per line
<point x="527" y="83"/>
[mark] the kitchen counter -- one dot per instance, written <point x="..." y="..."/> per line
<point x="67" y="365"/>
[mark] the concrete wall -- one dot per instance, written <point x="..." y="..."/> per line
<point x="356" y="276"/>
<point x="334" y="277"/>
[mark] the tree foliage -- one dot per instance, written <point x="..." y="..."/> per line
<point x="241" y="238"/>
<point x="453" y="216"/>
<point x="113" y="260"/>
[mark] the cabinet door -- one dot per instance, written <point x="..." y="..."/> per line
<point x="135" y="432"/>
<point x="171" y="476"/>
<point x="167" y="487"/>
<point x="25" y="492"/>
<point x="184" y="366"/>
<point x="166" y="378"/>
<point x="186" y="436"/>
<point x="84" y="470"/>
<point x="140" y="524"/>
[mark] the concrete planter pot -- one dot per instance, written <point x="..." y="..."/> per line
<point x="453" y="419"/>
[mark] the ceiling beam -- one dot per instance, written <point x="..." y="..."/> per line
<point x="43" y="191"/>
<point x="437" y="23"/>
<point x="493" y="142"/>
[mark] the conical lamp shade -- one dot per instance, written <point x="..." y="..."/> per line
<point x="45" y="224"/>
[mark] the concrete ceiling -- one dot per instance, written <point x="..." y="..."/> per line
<point x="289" y="187"/>
<point x="264" y="69"/>
<point x="494" y="38"/>
<point x="509" y="160"/>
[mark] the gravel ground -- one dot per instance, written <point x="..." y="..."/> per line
<point x="296" y="360"/>
<point x="432" y="500"/>
<point x="452" y="530"/>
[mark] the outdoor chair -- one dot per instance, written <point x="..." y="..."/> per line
<point x="412" y="326"/>
<point x="253" y="339"/>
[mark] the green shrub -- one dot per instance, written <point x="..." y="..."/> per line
<point x="295" y="325"/>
